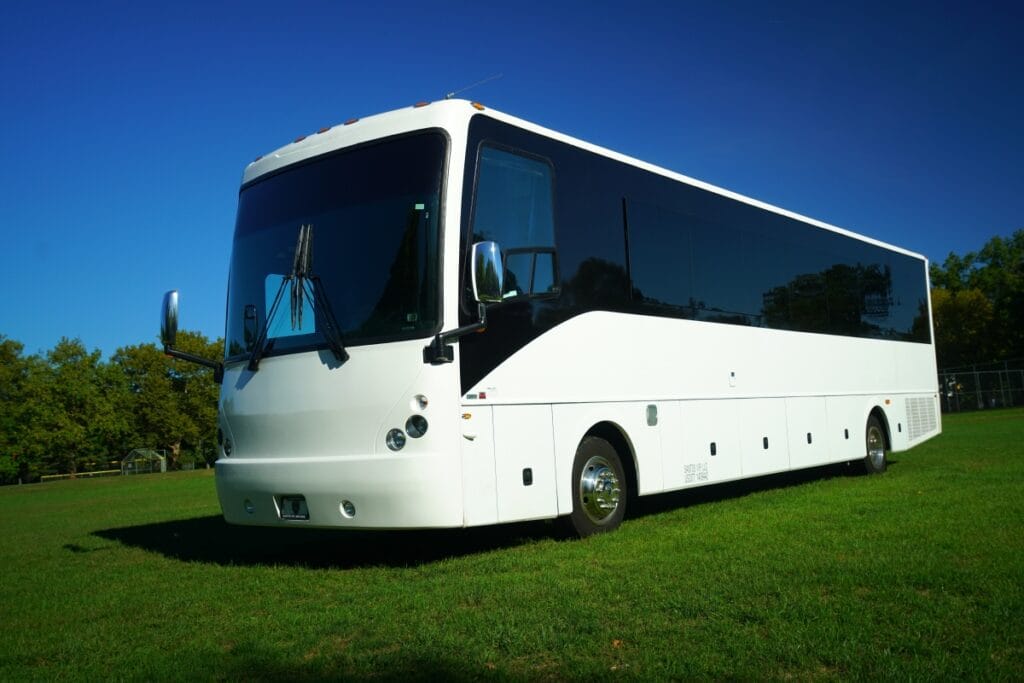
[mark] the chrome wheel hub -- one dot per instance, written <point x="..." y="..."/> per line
<point x="599" y="490"/>
<point x="876" y="446"/>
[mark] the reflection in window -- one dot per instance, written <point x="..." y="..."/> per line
<point x="282" y="324"/>
<point x="746" y="266"/>
<point x="659" y="255"/>
<point x="514" y="208"/>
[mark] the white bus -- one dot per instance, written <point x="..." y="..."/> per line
<point x="445" y="316"/>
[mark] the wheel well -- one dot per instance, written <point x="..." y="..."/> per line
<point x="880" y="414"/>
<point x="610" y="432"/>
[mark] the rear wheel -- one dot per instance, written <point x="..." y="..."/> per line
<point x="599" y="488"/>
<point x="874" y="437"/>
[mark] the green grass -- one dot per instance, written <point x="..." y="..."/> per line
<point x="917" y="573"/>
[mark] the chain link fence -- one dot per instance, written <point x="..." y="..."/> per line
<point x="980" y="387"/>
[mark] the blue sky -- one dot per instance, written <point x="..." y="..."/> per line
<point x="125" y="127"/>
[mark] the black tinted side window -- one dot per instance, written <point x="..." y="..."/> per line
<point x="514" y="208"/>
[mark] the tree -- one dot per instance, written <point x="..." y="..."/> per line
<point x="157" y="418"/>
<point x="13" y="374"/>
<point x="994" y="274"/>
<point x="962" y="323"/>
<point x="199" y="395"/>
<point x="69" y="399"/>
<point x="173" y="403"/>
<point x="999" y="273"/>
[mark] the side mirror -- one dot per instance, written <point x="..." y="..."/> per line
<point x="169" y="335"/>
<point x="487" y="272"/>
<point x="169" y="318"/>
<point x="488" y="278"/>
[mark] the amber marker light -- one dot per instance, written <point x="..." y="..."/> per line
<point x="478" y="106"/>
<point x="323" y="130"/>
<point x="420" y="104"/>
<point x="349" y="122"/>
<point x="299" y="139"/>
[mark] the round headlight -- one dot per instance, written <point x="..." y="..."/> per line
<point x="416" y="426"/>
<point x="227" y="447"/>
<point x="395" y="439"/>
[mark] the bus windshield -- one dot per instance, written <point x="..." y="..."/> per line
<point x="375" y="213"/>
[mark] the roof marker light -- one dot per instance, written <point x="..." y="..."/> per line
<point x="324" y="130"/>
<point x="350" y="122"/>
<point x="420" y="104"/>
<point x="478" y="106"/>
<point x="299" y="139"/>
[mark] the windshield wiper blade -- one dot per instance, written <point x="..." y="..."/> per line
<point x="261" y="345"/>
<point x="331" y="329"/>
<point x="303" y="271"/>
<point x="299" y="279"/>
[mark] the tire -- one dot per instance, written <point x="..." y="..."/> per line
<point x="874" y="446"/>
<point x="599" y="489"/>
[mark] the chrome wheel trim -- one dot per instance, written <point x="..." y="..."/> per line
<point x="876" y="446"/>
<point x="599" y="490"/>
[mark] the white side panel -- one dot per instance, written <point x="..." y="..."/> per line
<point x="703" y="426"/>
<point x="896" y="414"/>
<point x="763" y="438"/>
<point x="808" y="432"/>
<point x="523" y="440"/>
<point x="479" y="480"/>
<point x="685" y="359"/>
<point x="847" y="419"/>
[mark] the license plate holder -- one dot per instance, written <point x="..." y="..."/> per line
<point x="294" y="508"/>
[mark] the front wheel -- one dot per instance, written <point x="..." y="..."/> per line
<point x="599" y="488"/>
<point x="874" y="437"/>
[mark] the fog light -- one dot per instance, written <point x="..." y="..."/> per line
<point x="348" y="509"/>
<point x="419" y="402"/>
<point x="416" y="426"/>
<point x="395" y="439"/>
<point x="249" y="507"/>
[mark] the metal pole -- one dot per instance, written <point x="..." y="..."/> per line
<point x="977" y="388"/>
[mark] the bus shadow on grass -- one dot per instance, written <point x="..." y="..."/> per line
<point x="212" y="540"/>
<point x="664" y="502"/>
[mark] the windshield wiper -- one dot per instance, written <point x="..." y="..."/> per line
<point x="303" y="284"/>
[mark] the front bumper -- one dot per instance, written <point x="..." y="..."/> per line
<point x="388" y="492"/>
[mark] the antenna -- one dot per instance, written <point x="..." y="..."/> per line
<point x="462" y="90"/>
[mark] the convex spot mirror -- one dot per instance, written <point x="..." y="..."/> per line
<point x="487" y="272"/>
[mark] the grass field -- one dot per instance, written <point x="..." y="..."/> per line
<point x="916" y="573"/>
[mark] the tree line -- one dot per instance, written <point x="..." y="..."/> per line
<point x="978" y="304"/>
<point x="68" y="410"/>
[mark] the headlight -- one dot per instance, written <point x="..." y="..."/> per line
<point x="395" y="439"/>
<point x="416" y="426"/>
